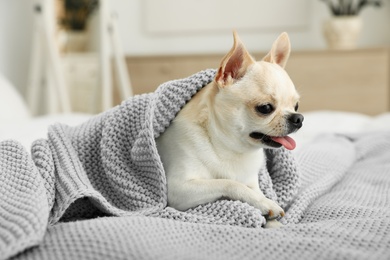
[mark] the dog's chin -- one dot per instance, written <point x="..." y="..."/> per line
<point x="264" y="139"/>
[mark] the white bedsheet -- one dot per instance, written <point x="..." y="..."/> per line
<point x="29" y="129"/>
<point x="315" y="123"/>
<point x="320" y="122"/>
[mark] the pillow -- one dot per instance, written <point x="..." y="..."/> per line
<point x="12" y="105"/>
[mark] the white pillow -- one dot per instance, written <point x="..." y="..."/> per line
<point x="12" y="105"/>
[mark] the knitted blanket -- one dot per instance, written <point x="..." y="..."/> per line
<point x="343" y="201"/>
<point x="97" y="191"/>
<point x="109" y="166"/>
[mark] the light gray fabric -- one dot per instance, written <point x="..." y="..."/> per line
<point x="24" y="209"/>
<point x="347" y="216"/>
<point x="109" y="166"/>
<point x="98" y="191"/>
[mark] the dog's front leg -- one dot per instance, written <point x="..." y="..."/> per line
<point x="200" y="191"/>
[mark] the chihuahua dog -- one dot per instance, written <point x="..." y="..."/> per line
<point x="213" y="148"/>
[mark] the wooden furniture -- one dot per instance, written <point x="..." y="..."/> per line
<point x="81" y="74"/>
<point x="45" y="69"/>
<point x="355" y="80"/>
<point x="47" y="74"/>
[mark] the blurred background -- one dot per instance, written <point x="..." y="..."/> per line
<point x="88" y="55"/>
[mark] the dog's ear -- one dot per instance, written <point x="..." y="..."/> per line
<point x="280" y="51"/>
<point x="234" y="64"/>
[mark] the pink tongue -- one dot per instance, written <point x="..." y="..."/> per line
<point x="286" y="141"/>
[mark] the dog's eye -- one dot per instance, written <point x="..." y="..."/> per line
<point x="265" y="109"/>
<point x="296" y="107"/>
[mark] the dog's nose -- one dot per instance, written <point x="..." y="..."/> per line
<point x="296" y="120"/>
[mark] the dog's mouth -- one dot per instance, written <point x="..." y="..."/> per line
<point x="274" y="141"/>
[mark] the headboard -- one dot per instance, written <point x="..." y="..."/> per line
<point x="353" y="80"/>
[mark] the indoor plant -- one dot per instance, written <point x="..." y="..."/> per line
<point x="74" y="21"/>
<point x="77" y="13"/>
<point x="343" y="29"/>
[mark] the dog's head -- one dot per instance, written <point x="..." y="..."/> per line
<point x="258" y="100"/>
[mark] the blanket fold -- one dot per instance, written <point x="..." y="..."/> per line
<point x="110" y="166"/>
<point x="341" y="211"/>
<point x="24" y="209"/>
<point x="335" y="193"/>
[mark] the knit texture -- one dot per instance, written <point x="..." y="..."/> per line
<point x="110" y="166"/>
<point x="98" y="191"/>
<point x="24" y="209"/>
<point x="341" y="211"/>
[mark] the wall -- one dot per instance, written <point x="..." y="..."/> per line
<point x="16" y="26"/>
<point x="15" y="40"/>
<point x="137" y="41"/>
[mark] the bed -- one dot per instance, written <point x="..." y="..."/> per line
<point x="340" y="210"/>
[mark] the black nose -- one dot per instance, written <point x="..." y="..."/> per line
<point x="296" y="120"/>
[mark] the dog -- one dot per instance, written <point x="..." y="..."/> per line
<point x="213" y="148"/>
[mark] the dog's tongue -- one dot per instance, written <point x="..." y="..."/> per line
<point x="286" y="141"/>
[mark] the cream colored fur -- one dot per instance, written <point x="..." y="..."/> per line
<point x="207" y="151"/>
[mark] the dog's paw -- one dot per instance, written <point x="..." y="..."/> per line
<point x="270" y="209"/>
<point x="273" y="224"/>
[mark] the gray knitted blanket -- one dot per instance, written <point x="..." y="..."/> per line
<point x="98" y="191"/>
